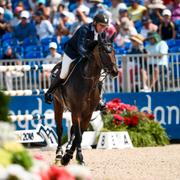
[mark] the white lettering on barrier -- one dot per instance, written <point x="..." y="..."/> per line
<point x="170" y="109"/>
<point x="158" y="110"/>
<point x="28" y="136"/>
<point x="162" y="110"/>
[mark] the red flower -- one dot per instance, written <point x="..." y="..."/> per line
<point x="116" y="100"/>
<point x="58" y="173"/>
<point x="134" y="120"/>
<point x="127" y="120"/>
<point x="150" y="116"/>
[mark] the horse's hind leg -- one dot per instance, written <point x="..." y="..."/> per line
<point x="58" y="111"/>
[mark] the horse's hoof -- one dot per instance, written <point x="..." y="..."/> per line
<point x="65" y="159"/>
<point x="82" y="163"/>
<point x="58" y="162"/>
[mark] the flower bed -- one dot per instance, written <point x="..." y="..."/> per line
<point x="16" y="163"/>
<point x="143" y="129"/>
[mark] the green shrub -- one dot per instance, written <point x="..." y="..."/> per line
<point x="141" y="126"/>
<point x="4" y="101"/>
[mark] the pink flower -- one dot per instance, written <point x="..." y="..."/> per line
<point x="118" y="117"/>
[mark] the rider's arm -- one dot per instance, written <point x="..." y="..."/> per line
<point x="81" y="41"/>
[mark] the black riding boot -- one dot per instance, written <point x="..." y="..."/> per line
<point x="49" y="94"/>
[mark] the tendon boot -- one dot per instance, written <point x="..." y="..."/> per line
<point x="101" y="106"/>
<point x="48" y="96"/>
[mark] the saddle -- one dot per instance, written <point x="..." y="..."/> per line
<point x="55" y="72"/>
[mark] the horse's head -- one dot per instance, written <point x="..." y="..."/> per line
<point x="107" y="59"/>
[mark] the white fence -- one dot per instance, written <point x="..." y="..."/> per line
<point x="136" y="73"/>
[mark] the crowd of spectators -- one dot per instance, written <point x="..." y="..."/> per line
<point x="38" y="22"/>
<point x="27" y="27"/>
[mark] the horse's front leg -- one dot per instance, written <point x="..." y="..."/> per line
<point x="76" y="141"/>
<point x="84" y="125"/>
<point x="58" y="110"/>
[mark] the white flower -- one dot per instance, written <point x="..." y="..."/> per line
<point x="19" y="172"/>
<point x="3" y="173"/>
<point x="6" y="130"/>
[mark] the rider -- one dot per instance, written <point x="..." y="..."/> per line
<point x="77" y="47"/>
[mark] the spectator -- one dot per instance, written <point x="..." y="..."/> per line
<point x="9" y="54"/>
<point x="82" y="18"/>
<point x="53" y="51"/>
<point x="67" y="19"/>
<point x="24" y="29"/>
<point x="148" y="26"/>
<point x="136" y="10"/>
<point x="125" y="32"/>
<point x="123" y="12"/>
<point x="4" y="27"/>
<point x="9" y="75"/>
<point x="133" y="63"/>
<point x="158" y="62"/>
<point x="155" y="11"/>
<point x="44" y="27"/>
<point x="54" y="56"/>
<point x="8" y="14"/>
<point x="32" y="4"/>
<point x="61" y="32"/>
<point x="96" y="7"/>
<point x="176" y="11"/>
<point x="167" y="27"/>
<point x="57" y="16"/>
<point x="115" y="10"/>
<point x="41" y="6"/>
<point x="81" y="4"/>
<point x="16" y="19"/>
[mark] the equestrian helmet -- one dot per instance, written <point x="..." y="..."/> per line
<point x="102" y="19"/>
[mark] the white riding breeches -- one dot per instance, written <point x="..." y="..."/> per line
<point x="65" y="66"/>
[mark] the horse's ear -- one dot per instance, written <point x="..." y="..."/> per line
<point x="113" y="37"/>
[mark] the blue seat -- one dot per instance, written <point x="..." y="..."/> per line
<point x="10" y="42"/>
<point x="7" y="36"/>
<point x="64" y="39"/>
<point x="46" y="41"/>
<point x="1" y="53"/>
<point x="60" y="50"/>
<point x="171" y="43"/>
<point x="33" y="55"/>
<point x="30" y="41"/>
<point x="177" y="42"/>
<point x="174" y="49"/>
<point x="120" y="50"/>
<point x="127" y="45"/>
<point x="33" y="48"/>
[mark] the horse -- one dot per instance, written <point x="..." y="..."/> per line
<point x="81" y="95"/>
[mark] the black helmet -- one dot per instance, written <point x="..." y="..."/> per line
<point x="102" y="19"/>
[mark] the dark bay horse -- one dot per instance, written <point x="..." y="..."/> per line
<point x="81" y="96"/>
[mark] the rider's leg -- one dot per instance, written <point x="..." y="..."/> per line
<point x="58" y="80"/>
